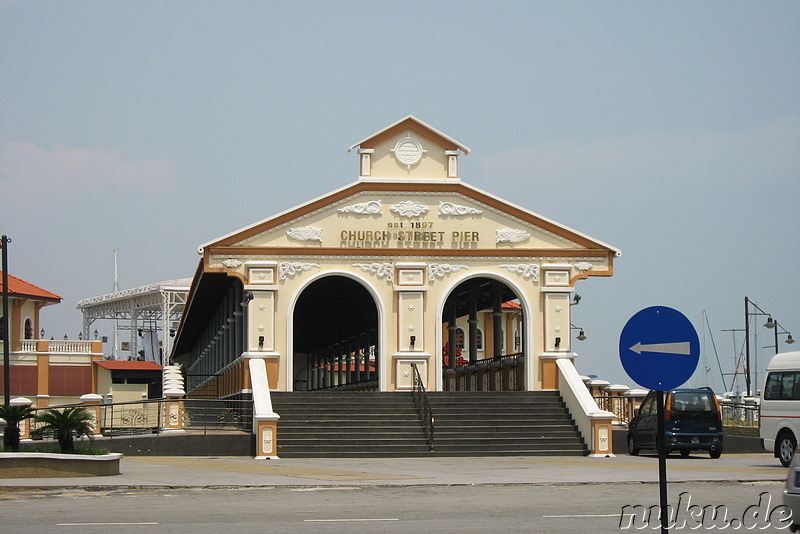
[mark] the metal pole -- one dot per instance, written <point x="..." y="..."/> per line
<point x="747" y="344"/>
<point x="662" y="463"/>
<point x="6" y="333"/>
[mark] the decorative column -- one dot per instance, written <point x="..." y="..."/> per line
<point x="174" y="393"/>
<point x="556" y="291"/>
<point x="42" y="373"/>
<point x="25" y="424"/>
<point x="260" y="295"/>
<point x="91" y="403"/>
<point x="366" y="161"/>
<point x="409" y="291"/>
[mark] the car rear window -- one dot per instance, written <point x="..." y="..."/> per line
<point x="690" y="401"/>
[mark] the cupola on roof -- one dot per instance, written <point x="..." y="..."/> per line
<point x="409" y="149"/>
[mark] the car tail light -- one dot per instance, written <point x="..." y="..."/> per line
<point x="668" y="408"/>
<point x="717" y="407"/>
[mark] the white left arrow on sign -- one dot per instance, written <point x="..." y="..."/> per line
<point x="682" y="347"/>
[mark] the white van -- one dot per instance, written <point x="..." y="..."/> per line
<point x="780" y="406"/>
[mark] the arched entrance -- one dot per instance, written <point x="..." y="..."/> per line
<point x="483" y="330"/>
<point x="335" y="339"/>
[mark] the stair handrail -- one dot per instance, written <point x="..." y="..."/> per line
<point x="423" y="406"/>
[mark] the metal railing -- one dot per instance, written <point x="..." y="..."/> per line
<point x="423" y="406"/>
<point x="149" y="416"/>
<point x="621" y="407"/>
<point x="501" y="373"/>
<point x="740" y="417"/>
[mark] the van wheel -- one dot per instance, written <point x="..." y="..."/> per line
<point x="716" y="453"/>
<point x="685" y="453"/>
<point x="784" y="447"/>
<point x="633" y="450"/>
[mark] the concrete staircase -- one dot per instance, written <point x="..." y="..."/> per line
<point x="503" y="423"/>
<point x="372" y="424"/>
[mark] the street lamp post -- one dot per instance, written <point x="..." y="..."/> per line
<point x="779" y="330"/>
<point x="6" y="335"/>
<point x="747" y="314"/>
<point x="769" y="324"/>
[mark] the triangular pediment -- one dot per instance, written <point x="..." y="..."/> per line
<point x="409" y="149"/>
<point x="410" y="220"/>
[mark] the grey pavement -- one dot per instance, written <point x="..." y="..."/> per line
<point x="246" y="472"/>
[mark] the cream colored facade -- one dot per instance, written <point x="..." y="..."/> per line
<point x="409" y="232"/>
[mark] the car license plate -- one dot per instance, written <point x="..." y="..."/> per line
<point x="695" y="439"/>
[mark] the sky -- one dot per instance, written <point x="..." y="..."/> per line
<point x="670" y="130"/>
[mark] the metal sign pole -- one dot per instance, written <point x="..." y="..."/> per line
<point x="662" y="462"/>
<point x="6" y="332"/>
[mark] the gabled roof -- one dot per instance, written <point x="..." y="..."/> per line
<point x="462" y="188"/>
<point x="128" y="365"/>
<point x="20" y="288"/>
<point x="413" y="123"/>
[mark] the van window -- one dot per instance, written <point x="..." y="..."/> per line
<point x="783" y="386"/>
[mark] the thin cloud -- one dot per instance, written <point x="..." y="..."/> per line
<point x="65" y="172"/>
<point x="766" y="152"/>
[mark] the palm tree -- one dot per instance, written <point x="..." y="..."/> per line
<point x="13" y="416"/>
<point x="66" y="425"/>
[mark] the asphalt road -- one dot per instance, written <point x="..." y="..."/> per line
<point x="590" y="507"/>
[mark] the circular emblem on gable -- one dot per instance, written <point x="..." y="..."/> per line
<point x="408" y="151"/>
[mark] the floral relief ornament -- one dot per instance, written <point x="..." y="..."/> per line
<point x="511" y="235"/>
<point x="289" y="269"/>
<point x="373" y="207"/>
<point x="382" y="271"/>
<point x="409" y="208"/>
<point x="449" y="208"/>
<point x="231" y="263"/>
<point x="305" y="233"/>
<point x="439" y="270"/>
<point x="528" y="272"/>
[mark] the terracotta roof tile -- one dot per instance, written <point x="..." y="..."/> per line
<point x="19" y="287"/>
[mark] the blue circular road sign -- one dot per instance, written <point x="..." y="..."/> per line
<point x="659" y="348"/>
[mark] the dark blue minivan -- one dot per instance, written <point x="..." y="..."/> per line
<point x="693" y="422"/>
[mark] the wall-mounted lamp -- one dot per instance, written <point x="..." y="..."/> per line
<point x="172" y="332"/>
<point x="42" y="334"/>
<point x="141" y="334"/>
<point x="558" y="342"/>
<point x="575" y="300"/>
<point x="96" y="333"/>
<point x="65" y="337"/>
<point x="260" y="342"/>
<point x="413" y="340"/>
<point x="80" y="336"/>
<point x="581" y="336"/>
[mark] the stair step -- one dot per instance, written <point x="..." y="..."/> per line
<point x="374" y="424"/>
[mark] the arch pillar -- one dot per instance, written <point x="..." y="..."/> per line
<point x="409" y="294"/>
<point x="556" y="292"/>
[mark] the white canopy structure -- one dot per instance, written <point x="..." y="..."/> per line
<point x="143" y="312"/>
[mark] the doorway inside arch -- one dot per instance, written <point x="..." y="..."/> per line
<point x="483" y="338"/>
<point x="335" y="328"/>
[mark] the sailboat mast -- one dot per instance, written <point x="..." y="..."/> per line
<point x="116" y="325"/>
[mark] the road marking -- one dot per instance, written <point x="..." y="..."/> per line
<point x="348" y="520"/>
<point x="572" y="516"/>
<point x="682" y="347"/>
<point x="104" y="524"/>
